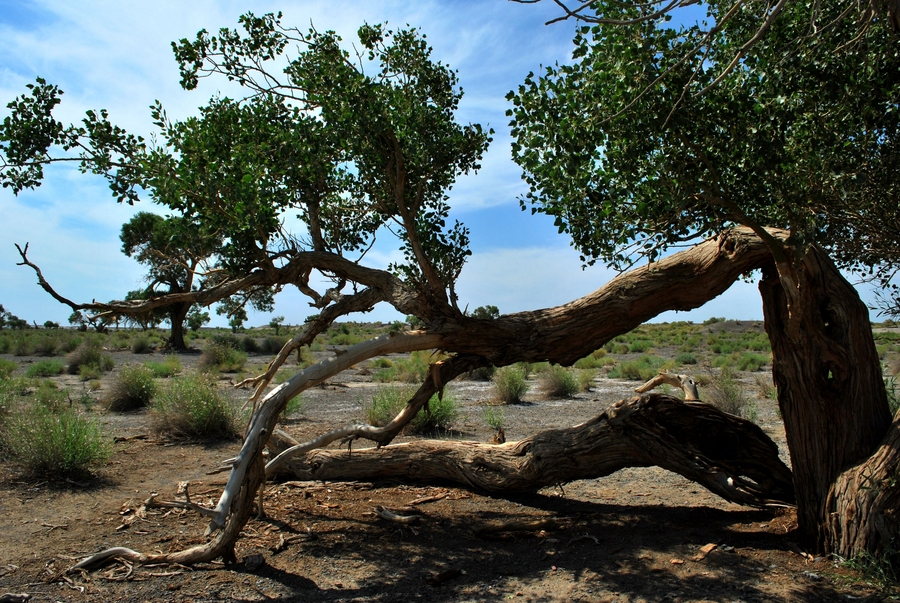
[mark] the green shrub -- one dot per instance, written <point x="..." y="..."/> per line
<point x="558" y="382"/>
<point x="437" y="415"/>
<point x="45" y="368"/>
<point x="406" y="370"/>
<point x="89" y="372"/>
<point x="141" y="344"/>
<point x="585" y="378"/>
<point x="726" y="393"/>
<point x="50" y="396"/>
<point x="248" y="345"/>
<point x="294" y="407"/>
<point x="493" y="417"/>
<point x="169" y="367"/>
<point x="21" y="346"/>
<point x="509" y="384"/>
<point x="640" y="346"/>
<point x="382" y="363"/>
<point x="273" y="345"/>
<point x="44" y="345"/>
<point x="88" y="352"/>
<point x="222" y="357"/>
<point x="685" y="358"/>
<point x="616" y="348"/>
<point x="132" y="388"/>
<point x="642" y="369"/>
<point x="55" y="443"/>
<point x="191" y="406"/>
<point x="7" y="368"/>
<point x="595" y="360"/>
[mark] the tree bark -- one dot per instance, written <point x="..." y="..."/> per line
<point x="832" y="398"/>
<point x="177" y="316"/>
<point x="728" y="455"/>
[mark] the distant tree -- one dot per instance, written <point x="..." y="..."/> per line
<point x="486" y="312"/>
<point x="77" y="319"/>
<point x="49" y="324"/>
<point x="275" y="323"/>
<point x="196" y="318"/>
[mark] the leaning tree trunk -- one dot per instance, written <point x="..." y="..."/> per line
<point x="832" y="400"/>
<point x="730" y="456"/>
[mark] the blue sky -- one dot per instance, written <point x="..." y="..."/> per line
<point x="117" y="56"/>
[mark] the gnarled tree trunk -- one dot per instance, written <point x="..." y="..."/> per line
<point x="832" y="400"/>
<point x="728" y="455"/>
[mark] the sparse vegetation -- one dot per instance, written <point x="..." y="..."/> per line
<point x="725" y="392"/>
<point x="132" y="388"/>
<point x="45" y="368"/>
<point x="222" y="357"/>
<point x="558" y="382"/>
<point x="191" y="406"/>
<point x="169" y="367"/>
<point x="54" y="442"/>
<point x="509" y="384"/>
<point x="492" y="416"/>
<point x="438" y="415"/>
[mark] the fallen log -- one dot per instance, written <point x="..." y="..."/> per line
<point x="729" y="456"/>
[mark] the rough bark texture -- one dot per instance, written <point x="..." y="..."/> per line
<point x="830" y="389"/>
<point x="728" y="455"/>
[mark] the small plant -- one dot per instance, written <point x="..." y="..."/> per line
<point x="509" y="384"/>
<point x="595" y="360"/>
<point x="642" y="369"/>
<point x="132" y="388"/>
<point x="406" y="370"/>
<point x="7" y="368"/>
<point x="50" y="396"/>
<point x="141" y="345"/>
<point x="558" y="382"/>
<point x="45" y="368"/>
<point x="294" y="407"/>
<point x="493" y="417"/>
<point x="169" y="367"/>
<point x="55" y="443"/>
<point x="437" y="415"/>
<point x="726" y="393"/>
<point x="89" y="372"/>
<point x="382" y="363"/>
<point x="87" y="353"/>
<point x="191" y="406"/>
<point x="585" y="378"/>
<point x="685" y="358"/>
<point x="222" y="357"/>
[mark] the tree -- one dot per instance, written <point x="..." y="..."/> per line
<point x="350" y="153"/>
<point x="175" y="251"/>
<point x="196" y="318"/>
<point x="658" y="135"/>
<point x="275" y="323"/>
<point x="486" y="312"/>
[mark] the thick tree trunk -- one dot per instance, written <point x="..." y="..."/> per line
<point x="831" y="395"/>
<point x="177" y="316"/>
<point x="728" y="455"/>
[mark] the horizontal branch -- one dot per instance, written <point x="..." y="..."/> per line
<point x="729" y="456"/>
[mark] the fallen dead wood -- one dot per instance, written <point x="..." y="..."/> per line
<point x="729" y="456"/>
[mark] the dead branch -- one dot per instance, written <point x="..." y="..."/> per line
<point x="684" y="382"/>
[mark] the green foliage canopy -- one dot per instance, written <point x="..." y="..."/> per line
<point x="317" y="138"/>
<point x="658" y="134"/>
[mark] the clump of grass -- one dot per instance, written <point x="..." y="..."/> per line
<point x="685" y="358"/>
<point x="585" y="378"/>
<point x="725" y="393"/>
<point x="484" y="373"/>
<point x="765" y="388"/>
<point x="45" y="368"/>
<point x="272" y="345"/>
<point x="49" y="395"/>
<point x="55" y="442"/>
<point x="169" y="367"/>
<point x="132" y="388"/>
<point x="381" y="363"/>
<point x="492" y="416"/>
<point x="294" y="407"/>
<point x="191" y="406"/>
<point x="558" y="382"/>
<point x="222" y="357"/>
<point x="89" y="372"/>
<point x="7" y="368"/>
<point x="406" y="370"/>
<point x="642" y="369"/>
<point x="509" y="384"/>
<point x="595" y="360"/>
<point x="141" y="344"/>
<point x="88" y="353"/>
<point x="438" y="415"/>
